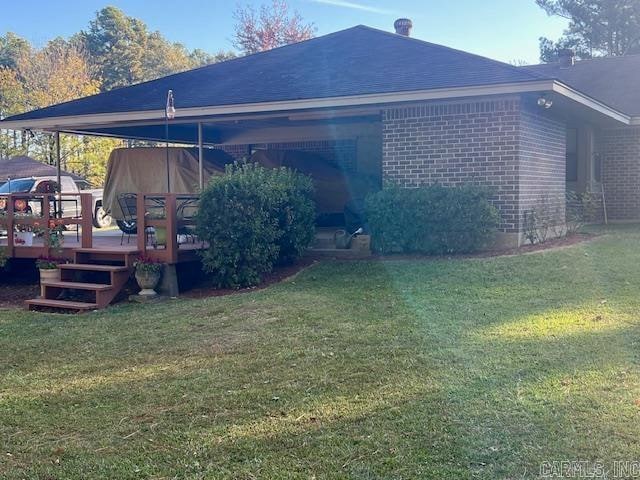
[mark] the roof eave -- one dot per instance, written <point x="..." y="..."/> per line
<point x="84" y="121"/>
<point x="76" y="121"/>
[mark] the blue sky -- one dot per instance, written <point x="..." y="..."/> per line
<point x="506" y="30"/>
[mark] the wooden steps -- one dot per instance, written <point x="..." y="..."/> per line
<point x="97" y="276"/>
<point x="61" y="304"/>
<point x="88" y="267"/>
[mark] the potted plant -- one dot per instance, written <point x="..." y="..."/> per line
<point x="147" y="274"/>
<point x="49" y="272"/>
<point x="23" y="237"/>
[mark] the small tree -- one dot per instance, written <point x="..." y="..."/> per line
<point x="273" y="26"/>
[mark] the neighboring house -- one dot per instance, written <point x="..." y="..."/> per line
<point x="406" y="110"/>
<point x="22" y="166"/>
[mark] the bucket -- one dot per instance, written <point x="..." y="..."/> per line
<point x="342" y="239"/>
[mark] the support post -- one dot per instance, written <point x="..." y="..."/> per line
<point x="172" y="228"/>
<point x="140" y="221"/>
<point x="46" y="218"/>
<point x="10" y="225"/>
<point x="200" y="158"/>
<point x="86" y="208"/>
<point x="58" y="173"/>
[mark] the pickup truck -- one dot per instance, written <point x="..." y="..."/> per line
<point x="69" y="207"/>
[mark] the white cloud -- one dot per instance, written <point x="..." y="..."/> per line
<point x="355" y="6"/>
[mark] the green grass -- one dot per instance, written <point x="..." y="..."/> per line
<point x="466" y="368"/>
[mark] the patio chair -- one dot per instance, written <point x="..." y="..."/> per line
<point x="186" y="212"/>
<point x="128" y="203"/>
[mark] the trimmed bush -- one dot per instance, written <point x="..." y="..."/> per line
<point x="431" y="220"/>
<point x="254" y="218"/>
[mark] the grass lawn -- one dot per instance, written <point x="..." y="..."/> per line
<point x="466" y="368"/>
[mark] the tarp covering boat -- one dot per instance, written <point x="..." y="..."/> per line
<point x="143" y="169"/>
<point x="334" y="188"/>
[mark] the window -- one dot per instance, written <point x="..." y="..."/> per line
<point x="572" y="155"/>
<point x="17" y="186"/>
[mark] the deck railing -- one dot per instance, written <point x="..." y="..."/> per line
<point x="37" y="210"/>
<point x="172" y="217"/>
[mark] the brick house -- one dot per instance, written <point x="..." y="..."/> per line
<point x="400" y="109"/>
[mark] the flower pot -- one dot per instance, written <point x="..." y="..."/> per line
<point x="48" y="275"/>
<point x="23" y="239"/>
<point x="160" y="237"/>
<point x="361" y="243"/>
<point x="147" y="281"/>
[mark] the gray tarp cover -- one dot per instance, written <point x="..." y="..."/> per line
<point x="143" y="169"/>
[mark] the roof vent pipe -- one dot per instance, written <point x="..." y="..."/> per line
<point x="567" y="57"/>
<point x="403" y="26"/>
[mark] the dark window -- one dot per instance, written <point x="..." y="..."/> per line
<point x="572" y="155"/>
<point x="17" y="186"/>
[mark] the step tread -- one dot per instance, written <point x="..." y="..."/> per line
<point x="44" y="302"/>
<point x="77" y="285"/>
<point x="93" y="267"/>
<point x="110" y="251"/>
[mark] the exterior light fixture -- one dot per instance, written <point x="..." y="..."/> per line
<point x="545" y="103"/>
<point x="170" y="111"/>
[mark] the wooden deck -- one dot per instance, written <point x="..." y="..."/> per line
<point x="105" y="239"/>
<point x="169" y="212"/>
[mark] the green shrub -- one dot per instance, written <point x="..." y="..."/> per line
<point x="254" y="218"/>
<point x="431" y="220"/>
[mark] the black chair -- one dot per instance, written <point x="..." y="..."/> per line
<point x="187" y="212"/>
<point x="128" y="203"/>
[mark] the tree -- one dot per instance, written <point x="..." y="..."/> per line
<point x="596" y="27"/>
<point x="273" y="26"/>
<point x="11" y="48"/>
<point x="123" y="51"/>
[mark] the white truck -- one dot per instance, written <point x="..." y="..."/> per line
<point x="70" y="207"/>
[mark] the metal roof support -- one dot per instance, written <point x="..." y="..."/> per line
<point x="58" y="172"/>
<point x="200" y="158"/>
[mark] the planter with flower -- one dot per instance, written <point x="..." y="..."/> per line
<point x="49" y="271"/>
<point x="25" y="231"/>
<point x="56" y="238"/>
<point x="147" y="274"/>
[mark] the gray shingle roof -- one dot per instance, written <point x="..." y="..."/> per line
<point x="612" y="80"/>
<point x="21" y="166"/>
<point x="356" y="61"/>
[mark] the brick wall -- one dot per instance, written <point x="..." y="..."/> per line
<point x="491" y="143"/>
<point x="542" y="165"/>
<point x="338" y="152"/>
<point x="619" y="151"/>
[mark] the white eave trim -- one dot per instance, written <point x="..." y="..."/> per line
<point x="103" y="119"/>
<point x="55" y="123"/>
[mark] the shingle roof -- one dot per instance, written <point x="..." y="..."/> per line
<point x="21" y="166"/>
<point x="612" y="80"/>
<point x="359" y="60"/>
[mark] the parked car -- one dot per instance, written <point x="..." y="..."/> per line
<point x="70" y="207"/>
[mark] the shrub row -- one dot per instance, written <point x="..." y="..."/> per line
<point x="430" y="220"/>
<point x="254" y="218"/>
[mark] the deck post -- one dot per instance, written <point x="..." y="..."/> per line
<point x="46" y="218"/>
<point x="10" y="226"/>
<point x="172" y="228"/>
<point x="140" y="221"/>
<point x="58" y="173"/>
<point x="86" y="207"/>
<point x="200" y="158"/>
